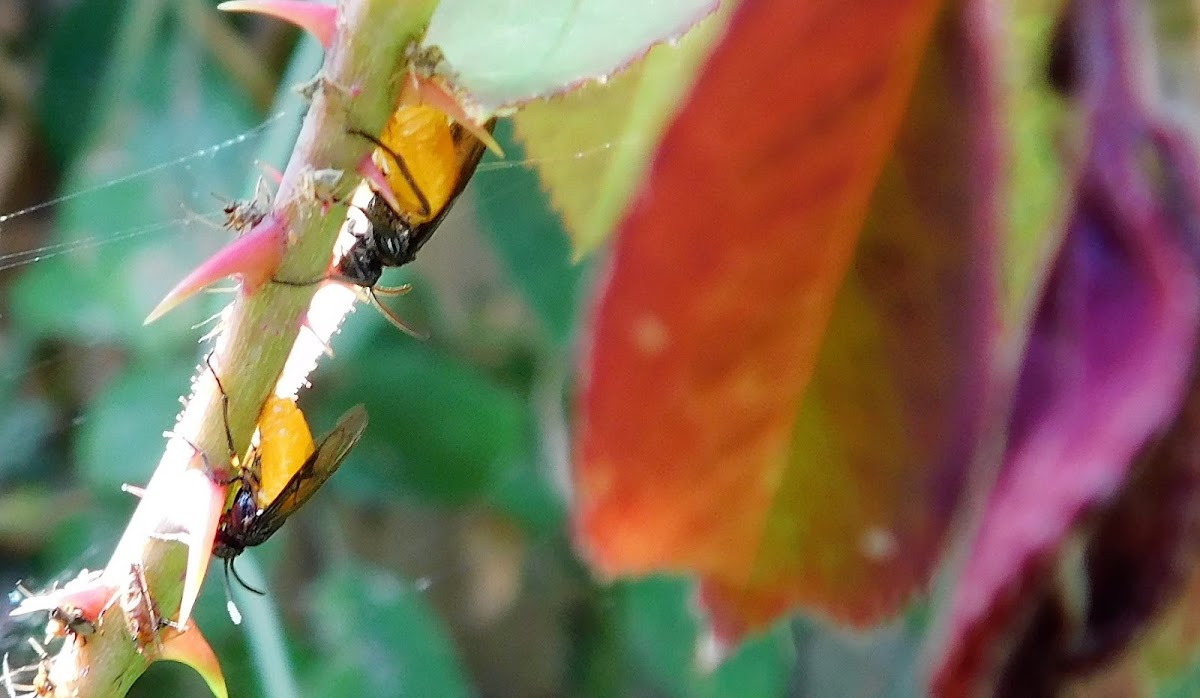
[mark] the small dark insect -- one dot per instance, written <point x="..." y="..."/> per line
<point x="142" y="618"/>
<point x="141" y="612"/>
<point x="64" y="621"/>
<point x="70" y="622"/>
<point x="242" y="215"/>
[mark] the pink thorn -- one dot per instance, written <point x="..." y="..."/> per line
<point x="378" y="180"/>
<point x="254" y="256"/>
<point x="189" y="647"/>
<point x="204" y="502"/>
<point x="271" y="171"/>
<point x="435" y="93"/>
<point x="314" y="18"/>
<point x="89" y="593"/>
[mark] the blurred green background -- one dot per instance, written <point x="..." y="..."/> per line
<point x="438" y="562"/>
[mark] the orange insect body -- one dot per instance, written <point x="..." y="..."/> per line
<point x="285" y="443"/>
<point x="423" y="138"/>
<point x="288" y="464"/>
<point x="427" y="160"/>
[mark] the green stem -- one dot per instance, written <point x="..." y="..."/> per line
<point x="362" y="80"/>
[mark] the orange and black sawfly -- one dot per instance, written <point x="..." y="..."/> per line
<point x="428" y="160"/>
<point x="271" y="486"/>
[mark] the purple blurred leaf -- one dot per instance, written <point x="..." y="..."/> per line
<point x="1106" y="368"/>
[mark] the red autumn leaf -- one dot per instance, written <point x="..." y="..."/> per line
<point x="700" y="436"/>
<point x="881" y="441"/>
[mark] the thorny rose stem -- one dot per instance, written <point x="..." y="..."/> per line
<point x="360" y="83"/>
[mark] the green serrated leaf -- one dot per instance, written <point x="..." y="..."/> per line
<point x="80" y="45"/>
<point x="536" y="48"/>
<point x="882" y="662"/>
<point x="378" y="637"/>
<point x="661" y="630"/>
<point x="530" y="498"/>
<point x="531" y="243"/>
<point x="25" y="423"/>
<point x="439" y="430"/>
<point x="120" y="439"/>
<point x="626" y="117"/>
